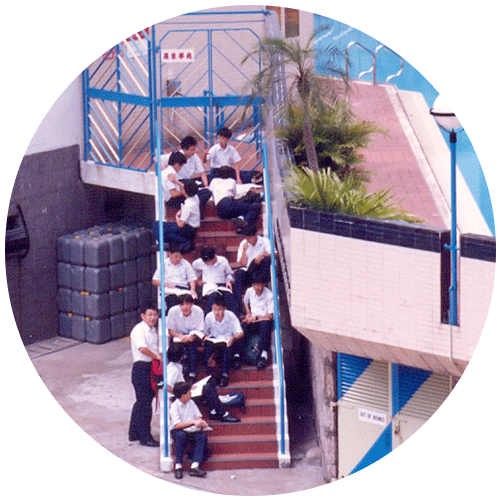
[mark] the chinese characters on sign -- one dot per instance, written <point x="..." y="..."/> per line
<point x="177" y="55"/>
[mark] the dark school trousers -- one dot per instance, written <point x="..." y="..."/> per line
<point x="264" y="329"/>
<point x="142" y="411"/>
<point x="182" y="439"/>
<point x="229" y="208"/>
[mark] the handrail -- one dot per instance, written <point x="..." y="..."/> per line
<point x="401" y="61"/>
<point x="373" y="68"/>
<point x="274" y="282"/>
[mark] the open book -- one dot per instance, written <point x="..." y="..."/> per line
<point x="215" y="340"/>
<point x="197" y="387"/>
<point x="177" y="291"/>
<point x="209" y="288"/>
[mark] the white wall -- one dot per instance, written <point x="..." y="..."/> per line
<point x="62" y="125"/>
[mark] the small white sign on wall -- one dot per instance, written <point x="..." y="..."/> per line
<point x="177" y="55"/>
<point x="372" y="417"/>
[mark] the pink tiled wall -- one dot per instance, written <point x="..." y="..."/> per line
<point x="384" y="301"/>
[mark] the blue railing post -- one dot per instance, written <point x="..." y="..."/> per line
<point x="161" y="250"/>
<point x="274" y="281"/>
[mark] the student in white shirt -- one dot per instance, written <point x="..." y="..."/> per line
<point x="176" y="354"/>
<point x="185" y="324"/>
<point x="182" y="232"/>
<point x="217" y="278"/>
<point x="259" y="319"/>
<point x="223" y="333"/>
<point x="241" y="212"/>
<point x="224" y="154"/>
<point x="186" y="426"/>
<point x="173" y="188"/>
<point x="179" y="277"/>
<point x="191" y="170"/>
<point x="144" y="345"/>
<point x="254" y="259"/>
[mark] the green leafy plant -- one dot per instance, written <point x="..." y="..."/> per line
<point x="338" y="137"/>
<point x="325" y="190"/>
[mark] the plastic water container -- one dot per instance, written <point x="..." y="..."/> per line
<point x="64" y="300"/>
<point x="76" y="244"/>
<point x="97" y="305"/>
<point x="78" y="324"/>
<point x="144" y="272"/>
<point x="117" y="326"/>
<point x="130" y="299"/>
<point x="144" y="241"/>
<point x="129" y="272"/>
<point x="115" y="242"/>
<point x="145" y="293"/>
<point x="77" y="277"/>
<point x="116" y="275"/>
<point x="65" y="325"/>
<point x="98" y="331"/>
<point x="131" y="319"/>
<point x="129" y="244"/>
<point x="63" y="252"/>
<point x="64" y="274"/>
<point x="97" y="279"/>
<point x="96" y="252"/>
<point x="116" y="302"/>
<point x="77" y="303"/>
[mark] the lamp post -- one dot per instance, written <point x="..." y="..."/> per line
<point x="447" y="120"/>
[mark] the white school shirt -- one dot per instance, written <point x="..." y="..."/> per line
<point x="190" y="211"/>
<point x="167" y="184"/>
<point x="174" y="374"/>
<point x="178" y="275"/>
<point x="223" y="157"/>
<point x="185" y="324"/>
<point x="143" y="336"/>
<point x="192" y="166"/>
<point x="259" y="306"/>
<point x="262" y="245"/>
<point x="229" y="326"/>
<point x="222" y="188"/>
<point x="219" y="272"/>
<point x="180" y="412"/>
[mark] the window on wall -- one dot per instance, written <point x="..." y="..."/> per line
<point x="291" y="20"/>
<point x="291" y="23"/>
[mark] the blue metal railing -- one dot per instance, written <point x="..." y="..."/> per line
<point x="122" y="105"/>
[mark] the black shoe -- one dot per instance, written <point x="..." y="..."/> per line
<point x="152" y="443"/>
<point x="239" y="222"/>
<point x="224" y="381"/>
<point x="236" y="363"/>
<point x="191" y="379"/>
<point x="197" y="472"/>
<point x="261" y="364"/>
<point x="230" y="419"/>
<point x="178" y="473"/>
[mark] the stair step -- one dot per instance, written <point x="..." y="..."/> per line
<point x="248" y="373"/>
<point x="238" y="444"/>
<point x="243" y="461"/>
<point x="253" y="408"/>
<point x="249" y="426"/>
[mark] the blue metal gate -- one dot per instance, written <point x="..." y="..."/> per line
<point x="194" y="86"/>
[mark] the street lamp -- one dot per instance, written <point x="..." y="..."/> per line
<point x="447" y="120"/>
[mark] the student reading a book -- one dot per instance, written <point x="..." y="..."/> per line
<point x="186" y="426"/>
<point x="259" y="319"/>
<point x="179" y="278"/>
<point x="223" y="332"/>
<point x="185" y="324"/>
<point x="203" y="391"/>
<point x="217" y="278"/>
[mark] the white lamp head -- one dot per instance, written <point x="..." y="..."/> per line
<point x="444" y="115"/>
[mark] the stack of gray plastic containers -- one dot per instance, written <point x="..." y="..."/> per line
<point x="104" y="277"/>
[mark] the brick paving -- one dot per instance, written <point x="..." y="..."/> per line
<point x="390" y="157"/>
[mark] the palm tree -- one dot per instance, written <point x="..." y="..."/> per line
<point x="305" y="85"/>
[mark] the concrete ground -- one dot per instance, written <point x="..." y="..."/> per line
<point x="92" y="384"/>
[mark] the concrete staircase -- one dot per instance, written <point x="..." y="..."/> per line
<point x="251" y="443"/>
<point x="254" y="442"/>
